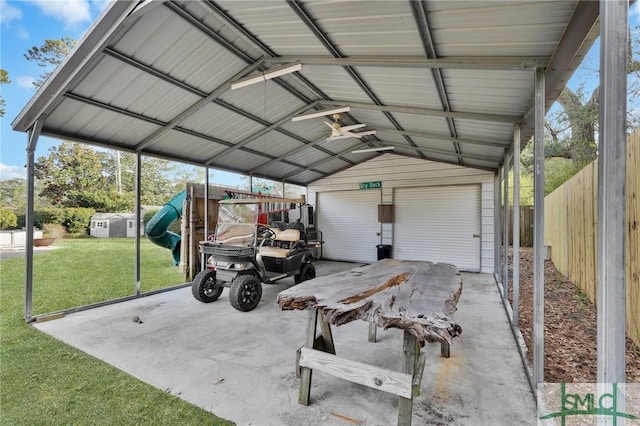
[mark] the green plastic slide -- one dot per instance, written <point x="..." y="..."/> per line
<point x="157" y="228"/>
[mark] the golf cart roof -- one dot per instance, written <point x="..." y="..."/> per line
<point x="262" y="200"/>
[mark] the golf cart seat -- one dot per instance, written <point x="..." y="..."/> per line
<point x="284" y="243"/>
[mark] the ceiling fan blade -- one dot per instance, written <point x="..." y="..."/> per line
<point x="328" y="124"/>
<point x="352" y="127"/>
<point x="342" y="136"/>
<point x="361" y="134"/>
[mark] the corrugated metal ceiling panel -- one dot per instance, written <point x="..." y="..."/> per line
<point x="497" y="28"/>
<point x="175" y="141"/>
<point x="239" y="160"/>
<point x="335" y="83"/>
<point x="276" y="25"/>
<point x="386" y="29"/>
<point x="266" y="101"/>
<point x="275" y="144"/>
<point x="218" y="122"/>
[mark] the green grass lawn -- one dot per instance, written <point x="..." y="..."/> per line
<point x="44" y="381"/>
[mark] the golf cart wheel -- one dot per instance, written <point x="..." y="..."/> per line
<point x="205" y="288"/>
<point x="245" y="293"/>
<point x="307" y="272"/>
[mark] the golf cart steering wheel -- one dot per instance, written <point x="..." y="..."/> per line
<point x="266" y="232"/>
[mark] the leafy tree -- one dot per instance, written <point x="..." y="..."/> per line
<point x="70" y="168"/>
<point x="49" y="55"/>
<point x="573" y="130"/>
<point x="8" y="219"/>
<point x="4" y="79"/>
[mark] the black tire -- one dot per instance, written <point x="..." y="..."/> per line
<point x="245" y="293"/>
<point x="307" y="272"/>
<point x="205" y="288"/>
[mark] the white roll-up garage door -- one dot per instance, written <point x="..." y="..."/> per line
<point x="349" y="224"/>
<point x="439" y="224"/>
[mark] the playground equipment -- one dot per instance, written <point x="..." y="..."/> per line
<point x="157" y="228"/>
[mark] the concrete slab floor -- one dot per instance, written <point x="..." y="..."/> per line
<point x="240" y="366"/>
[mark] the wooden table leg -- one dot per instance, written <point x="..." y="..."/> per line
<point x="445" y="350"/>
<point x="373" y="332"/>
<point x="411" y="352"/>
<point x="305" y="373"/>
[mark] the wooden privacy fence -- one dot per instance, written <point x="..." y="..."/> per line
<point x="570" y="216"/>
<point x="526" y="226"/>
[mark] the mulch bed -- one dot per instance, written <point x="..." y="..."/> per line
<point x="570" y="343"/>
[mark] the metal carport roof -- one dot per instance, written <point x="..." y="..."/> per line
<point x="440" y="80"/>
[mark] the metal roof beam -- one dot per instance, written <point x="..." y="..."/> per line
<point x="262" y="132"/>
<point x="227" y="45"/>
<point x="419" y="10"/>
<point x="479" y="116"/>
<point x="429" y="135"/>
<point x="207" y="98"/>
<point x="251" y="38"/>
<point x="474" y="63"/>
<point x="453" y="154"/>
<point x="298" y="8"/>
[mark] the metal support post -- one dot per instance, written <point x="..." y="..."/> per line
<point x="505" y="230"/>
<point x="497" y="219"/>
<point x="538" y="231"/>
<point x="32" y="142"/>
<point x="206" y="215"/>
<point x="611" y="192"/>
<point x="138" y="218"/>
<point x="515" y="258"/>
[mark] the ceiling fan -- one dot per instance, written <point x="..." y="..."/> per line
<point x="338" y="131"/>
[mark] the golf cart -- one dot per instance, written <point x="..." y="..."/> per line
<point x="245" y="253"/>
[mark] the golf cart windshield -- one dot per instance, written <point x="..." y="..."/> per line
<point x="237" y="224"/>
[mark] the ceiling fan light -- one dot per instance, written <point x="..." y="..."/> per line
<point x="376" y="149"/>
<point x="321" y="113"/>
<point x="274" y="73"/>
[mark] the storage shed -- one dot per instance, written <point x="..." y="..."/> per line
<point x="110" y="225"/>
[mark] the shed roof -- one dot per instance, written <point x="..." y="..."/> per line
<point x="439" y="80"/>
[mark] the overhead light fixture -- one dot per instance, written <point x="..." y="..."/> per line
<point x="273" y="73"/>
<point x="382" y="148"/>
<point x="321" y="113"/>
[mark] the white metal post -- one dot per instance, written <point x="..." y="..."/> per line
<point x="505" y="229"/>
<point x="611" y="192"/>
<point x="32" y="142"/>
<point x="206" y="215"/>
<point x="138" y="218"/>
<point x="538" y="231"/>
<point x="497" y="219"/>
<point x="515" y="257"/>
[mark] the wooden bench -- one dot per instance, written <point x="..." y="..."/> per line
<point x="419" y="298"/>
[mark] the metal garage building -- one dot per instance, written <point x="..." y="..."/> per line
<point x="442" y="212"/>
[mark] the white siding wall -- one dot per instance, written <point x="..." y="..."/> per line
<point x="401" y="172"/>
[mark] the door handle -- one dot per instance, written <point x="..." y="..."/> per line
<point x="476" y="235"/>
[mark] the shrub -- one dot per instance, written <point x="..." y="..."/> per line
<point x="54" y="230"/>
<point x="75" y="220"/>
<point x="8" y="219"/>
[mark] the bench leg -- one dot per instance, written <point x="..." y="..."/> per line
<point x="411" y="352"/>
<point x="305" y="373"/>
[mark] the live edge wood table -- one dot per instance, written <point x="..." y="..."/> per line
<point x="419" y="298"/>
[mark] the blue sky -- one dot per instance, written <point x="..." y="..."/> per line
<point x="28" y="23"/>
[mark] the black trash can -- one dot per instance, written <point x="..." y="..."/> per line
<point x="384" y="251"/>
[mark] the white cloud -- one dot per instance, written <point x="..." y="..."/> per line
<point x="22" y="34"/>
<point x="12" y="172"/>
<point x="71" y="12"/>
<point x="99" y="5"/>
<point x="25" y="82"/>
<point x="9" y="13"/>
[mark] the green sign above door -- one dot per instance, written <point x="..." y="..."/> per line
<point x="371" y="185"/>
